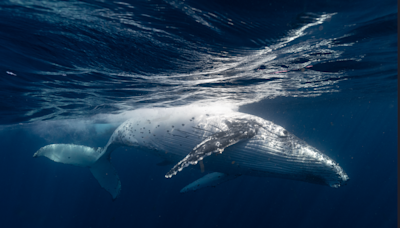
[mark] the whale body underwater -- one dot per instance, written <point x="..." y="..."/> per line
<point x="232" y="143"/>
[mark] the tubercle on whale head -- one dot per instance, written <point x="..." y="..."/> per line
<point x="343" y="181"/>
<point x="341" y="177"/>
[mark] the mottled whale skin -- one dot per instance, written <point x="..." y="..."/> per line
<point x="231" y="143"/>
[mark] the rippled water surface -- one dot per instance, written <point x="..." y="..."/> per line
<point x="71" y="72"/>
<point x="79" y="58"/>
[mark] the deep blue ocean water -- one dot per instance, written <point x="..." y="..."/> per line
<point x="324" y="70"/>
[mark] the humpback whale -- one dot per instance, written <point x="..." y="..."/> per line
<point x="232" y="143"/>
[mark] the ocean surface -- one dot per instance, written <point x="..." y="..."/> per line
<point x="71" y="72"/>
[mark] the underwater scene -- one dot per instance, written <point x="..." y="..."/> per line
<point x="212" y="113"/>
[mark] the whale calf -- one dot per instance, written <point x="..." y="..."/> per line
<point x="232" y="143"/>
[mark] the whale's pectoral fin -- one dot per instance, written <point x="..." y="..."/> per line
<point x="107" y="176"/>
<point x="238" y="131"/>
<point x="209" y="180"/>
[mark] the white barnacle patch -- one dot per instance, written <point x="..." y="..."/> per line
<point x="307" y="152"/>
<point x="329" y="162"/>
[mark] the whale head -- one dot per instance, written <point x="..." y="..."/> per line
<point x="282" y="154"/>
<point x="311" y="165"/>
<point x="320" y="168"/>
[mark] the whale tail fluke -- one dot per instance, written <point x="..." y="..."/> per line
<point x="107" y="176"/>
<point x="71" y="154"/>
<point x="96" y="159"/>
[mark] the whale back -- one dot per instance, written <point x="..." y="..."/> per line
<point x="169" y="132"/>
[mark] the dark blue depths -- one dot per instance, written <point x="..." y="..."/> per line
<point x="330" y="78"/>
<point x="361" y="135"/>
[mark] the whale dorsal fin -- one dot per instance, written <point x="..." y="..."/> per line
<point x="209" y="180"/>
<point x="238" y="130"/>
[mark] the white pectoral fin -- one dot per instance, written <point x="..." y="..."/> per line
<point x="209" y="180"/>
<point x="215" y="144"/>
<point x="107" y="176"/>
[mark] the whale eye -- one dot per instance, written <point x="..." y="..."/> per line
<point x="285" y="132"/>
